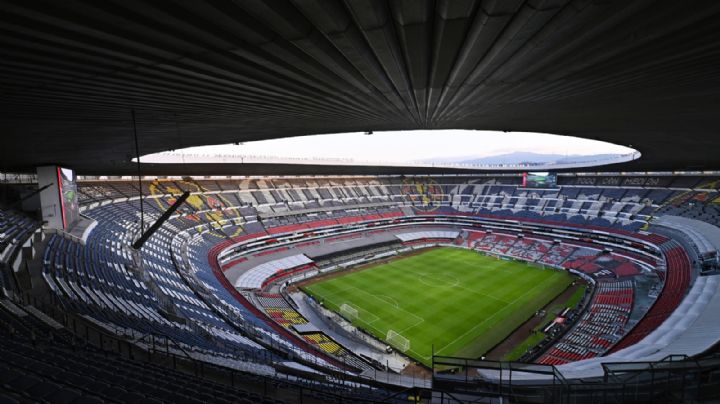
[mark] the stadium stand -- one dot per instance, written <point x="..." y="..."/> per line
<point x="678" y="275"/>
<point x="45" y="364"/>
<point x="428" y="235"/>
<point x="180" y="293"/>
<point x="254" y="278"/>
<point x="109" y="90"/>
<point x="598" y="329"/>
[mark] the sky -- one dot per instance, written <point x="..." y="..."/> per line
<point x="413" y="146"/>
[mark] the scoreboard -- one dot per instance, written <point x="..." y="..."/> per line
<point x="544" y="180"/>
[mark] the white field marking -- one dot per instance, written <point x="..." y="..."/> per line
<point x="482" y="294"/>
<point x="422" y="275"/>
<point x="492" y="266"/>
<point x="364" y="313"/>
<point x="338" y="291"/>
<point x="411" y="326"/>
<point x="397" y="307"/>
<point x="368" y="322"/>
<point x="496" y="313"/>
<point x="347" y="289"/>
<point x="457" y="284"/>
<point x="388" y="299"/>
<point x="496" y="267"/>
<point x="346" y="307"/>
<point x="417" y="354"/>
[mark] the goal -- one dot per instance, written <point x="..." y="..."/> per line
<point x="398" y="341"/>
<point x="349" y="312"/>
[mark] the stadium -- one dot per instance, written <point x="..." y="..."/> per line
<point x="129" y="273"/>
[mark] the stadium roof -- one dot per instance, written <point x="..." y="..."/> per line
<point x="640" y="73"/>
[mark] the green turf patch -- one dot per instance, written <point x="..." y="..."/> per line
<point x="459" y="301"/>
<point x="571" y="302"/>
<point x="576" y="297"/>
<point x="550" y="314"/>
<point x="520" y="350"/>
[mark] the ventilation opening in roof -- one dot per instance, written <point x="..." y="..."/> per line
<point x="464" y="149"/>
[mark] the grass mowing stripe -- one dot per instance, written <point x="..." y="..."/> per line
<point x="459" y="300"/>
<point x="513" y="315"/>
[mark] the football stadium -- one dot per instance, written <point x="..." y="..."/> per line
<point x="138" y="266"/>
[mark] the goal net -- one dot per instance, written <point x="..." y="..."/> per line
<point x="397" y="340"/>
<point x="349" y="312"/>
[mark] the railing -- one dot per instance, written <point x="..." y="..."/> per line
<point x="165" y="351"/>
<point x="178" y="255"/>
<point x="673" y="379"/>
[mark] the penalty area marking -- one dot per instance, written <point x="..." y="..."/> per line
<point x="339" y="303"/>
<point x="382" y="298"/>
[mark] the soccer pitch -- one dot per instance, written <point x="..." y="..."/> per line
<point x="458" y="300"/>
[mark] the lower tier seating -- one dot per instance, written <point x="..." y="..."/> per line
<point x="599" y="327"/>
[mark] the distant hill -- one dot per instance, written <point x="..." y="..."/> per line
<point x="523" y="157"/>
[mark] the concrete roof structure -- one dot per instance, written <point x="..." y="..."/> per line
<point x="640" y="73"/>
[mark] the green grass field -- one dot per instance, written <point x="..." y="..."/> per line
<point x="460" y="301"/>
<point x="538" y="336"/>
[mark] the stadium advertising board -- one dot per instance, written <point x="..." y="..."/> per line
<point x="539" y="180"/>
<point x="59" y="201"/>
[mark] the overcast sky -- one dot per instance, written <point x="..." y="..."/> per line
<point x="407" y="146"/>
